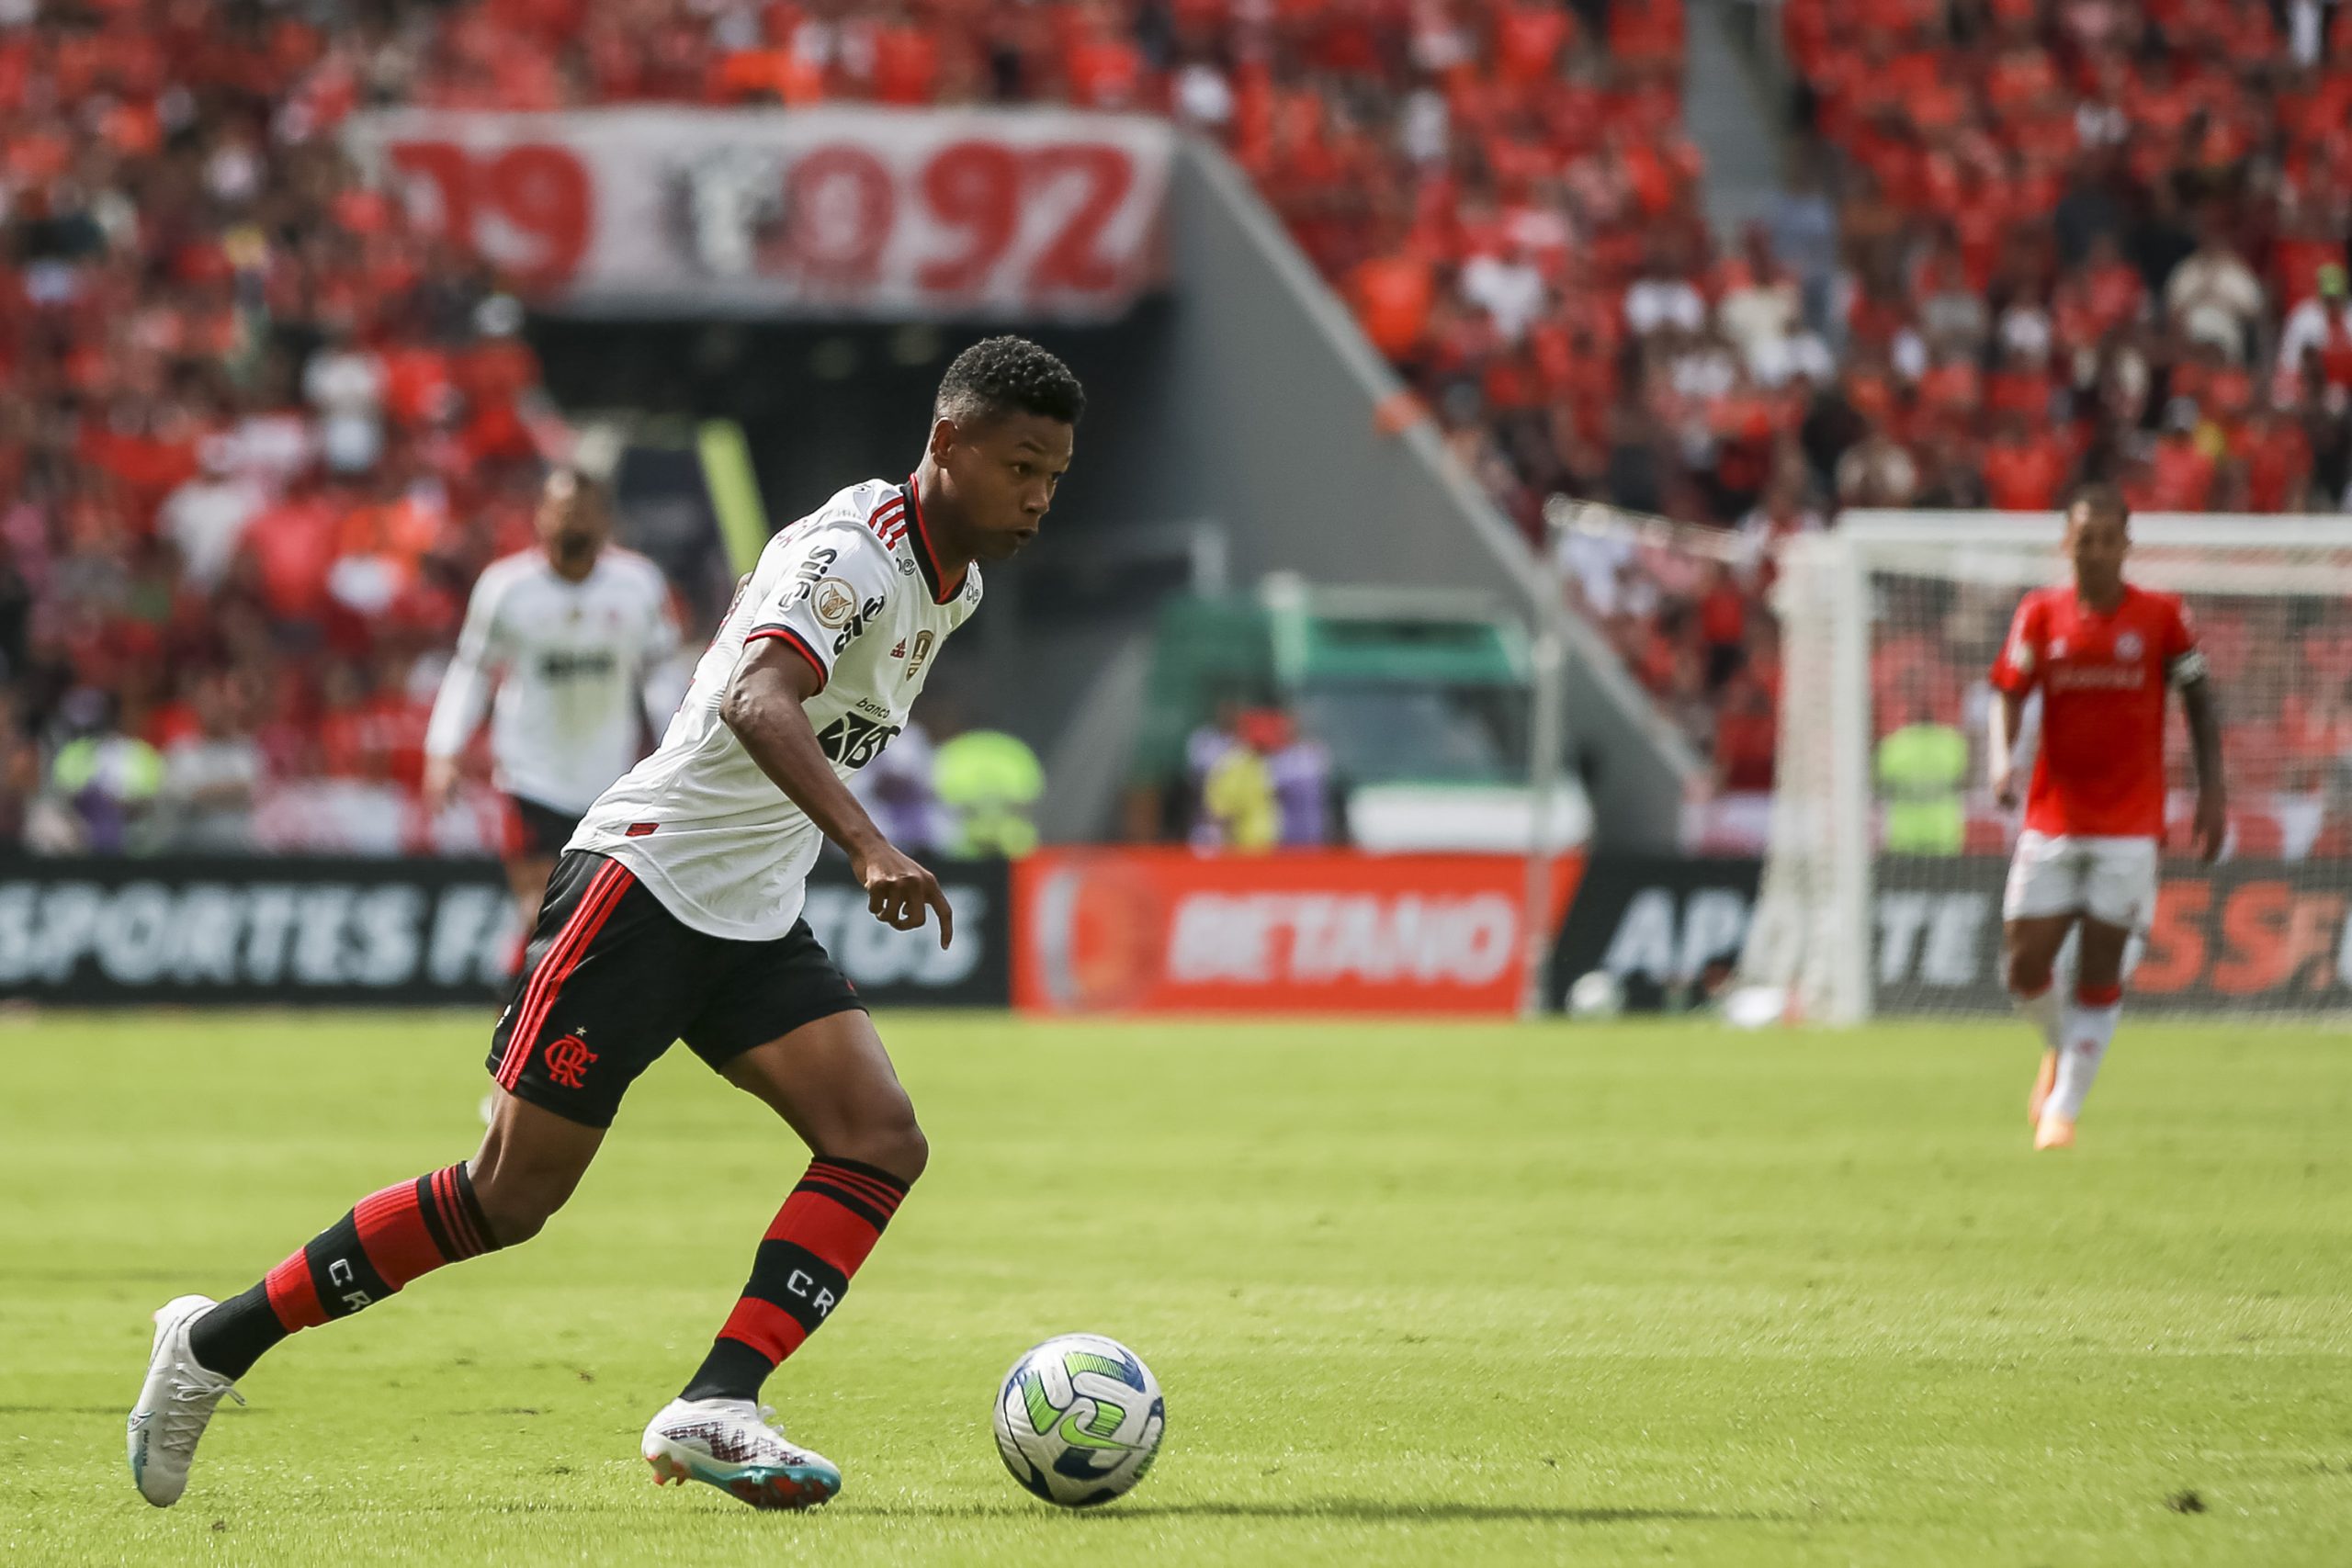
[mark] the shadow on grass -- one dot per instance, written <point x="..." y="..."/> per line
<point x="1376" y="1510"/>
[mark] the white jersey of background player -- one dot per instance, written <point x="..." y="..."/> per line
<point x="577" y="637"/>
<point x="854" y="589"/>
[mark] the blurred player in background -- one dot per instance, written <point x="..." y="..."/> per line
<point x="577" y="636"/>
<point x="675" y="913"/>
<point x="2102" y="653"/>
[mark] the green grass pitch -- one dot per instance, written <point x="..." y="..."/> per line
<point x="1419" y="1293"/>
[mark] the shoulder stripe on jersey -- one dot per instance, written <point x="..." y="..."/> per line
<point x="798" y="645"/>
<point x="889" y="520"/>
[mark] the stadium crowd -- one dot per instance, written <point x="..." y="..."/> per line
<point x="258" y="430"/>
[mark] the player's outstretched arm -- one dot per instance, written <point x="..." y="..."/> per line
<point x="2205" y="737"/>
<point x="2002" y="721"/>
<point x="764" y="707"/>
<point x="464" y="697"/>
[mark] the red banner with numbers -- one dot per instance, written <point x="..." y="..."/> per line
<point x="849" y="211"/>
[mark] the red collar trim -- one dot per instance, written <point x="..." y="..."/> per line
<point x="925" y="556"/>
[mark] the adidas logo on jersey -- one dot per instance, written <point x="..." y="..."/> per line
<point x="900" y="652"/>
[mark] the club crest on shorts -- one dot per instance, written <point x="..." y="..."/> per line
<point x="567" y="1057"/>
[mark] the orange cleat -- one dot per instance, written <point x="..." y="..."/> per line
<point x="2055" y="1133"/>
<point x="2043" y="1082"/>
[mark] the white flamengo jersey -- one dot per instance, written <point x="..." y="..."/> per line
<point x="571" y="661"/>
<point x="854" y="587"/>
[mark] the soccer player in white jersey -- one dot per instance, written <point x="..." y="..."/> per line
<point x="574" y="635"/>
<point x="675" y="914"/>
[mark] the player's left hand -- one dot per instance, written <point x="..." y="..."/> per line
<point x="899" y="893"/>
<point x="2213" y="825"/>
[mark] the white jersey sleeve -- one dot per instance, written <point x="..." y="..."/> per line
<point x="829" y="588"/>
<point x="464" y="697"/>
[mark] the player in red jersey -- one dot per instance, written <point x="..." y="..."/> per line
<point x="2102" y="653"/>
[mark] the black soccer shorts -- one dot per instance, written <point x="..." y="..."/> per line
<point x="536" y="831"/>
<point x="611" y="977"/>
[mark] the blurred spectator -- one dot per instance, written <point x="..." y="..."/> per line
<point x="1922" y="771"/>
<point x="206" y="517"/>
<point x="2213" y="296"/>
<point x="102" y="784"/>
<point x="1299" y="771"/>
<point x="345" y="382"/>
<point x="2318" y="331"/>
<point x="1239" y="809"/>
<point x="212" y="778"/>
<point x="989" y="783"/>
<point x="1877" y="471"/>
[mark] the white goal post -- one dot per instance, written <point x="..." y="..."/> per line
<point x="1881" y="885"/>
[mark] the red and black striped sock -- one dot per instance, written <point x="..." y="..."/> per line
<point x="823" y="1232"/>
<point x="390" y="1239"/>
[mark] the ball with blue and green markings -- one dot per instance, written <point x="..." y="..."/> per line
<point x="1079" y="1420"/>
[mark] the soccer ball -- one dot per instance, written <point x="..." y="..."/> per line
<point x="1079" y="1420"/>
<point x="1597" y="995"/>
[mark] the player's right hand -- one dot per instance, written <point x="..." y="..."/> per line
<point x="2005" y="788"/>
<point x="899" y="893"/>
<point x="440" y="783"/>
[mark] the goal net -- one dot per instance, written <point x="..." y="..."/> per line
<point x="1881" y="884"/>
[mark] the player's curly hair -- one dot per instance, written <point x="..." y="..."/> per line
<point x="1008" y="375"/>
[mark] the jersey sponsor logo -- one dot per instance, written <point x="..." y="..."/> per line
<point x="808" y="573"/>
<point x="2128" y="646"/>
<point x="859" y="619"/>
<point x="578" y="665"/>
<point x="869" y="707"/>
<point x="567" y="1057"/>
<point x="853" y="740"/>
<point x="2098" y="677"/>
<point x="834" y="602"/>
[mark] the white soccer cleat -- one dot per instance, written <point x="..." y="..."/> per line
<point x="730" y="1444"/>
<point x="175" y="1404"/>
